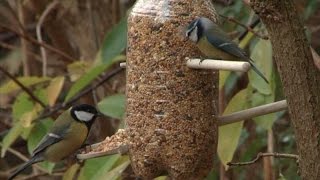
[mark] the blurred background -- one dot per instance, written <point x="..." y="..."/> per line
<point x="67" y="52"/>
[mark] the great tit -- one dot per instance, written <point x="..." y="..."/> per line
<point x="214" y="42"/>
<point x="66" y="136"/>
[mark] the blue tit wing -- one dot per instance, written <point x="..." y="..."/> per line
<point x="54" y="136"/>
<point x="220" y="40"/>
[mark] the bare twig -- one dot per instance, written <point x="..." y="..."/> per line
<point x="244" y="26"/>
<point x="47" y="46"/>
<point x="11" y="47"/>
<point x="252" y="112"/>
<point x="50" y="7"/>
<point x="24" y="88"/>
<point x="252" y="26"/>
<point x="260" y="155"/>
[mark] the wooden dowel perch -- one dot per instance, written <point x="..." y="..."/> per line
<point x="123" y="149"/>
<point x="253" y="112"/>
<point x="123" y="65"/>
<point x="218" y="65"/>
<point x="239" y="66"/>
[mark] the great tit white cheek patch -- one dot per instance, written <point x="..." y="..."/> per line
<point x="84" y="116"/>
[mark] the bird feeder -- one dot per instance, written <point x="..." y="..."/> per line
<point x="170" y="110"/>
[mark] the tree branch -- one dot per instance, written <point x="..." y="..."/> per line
<point x="24" y="88"/>
<point x="248" y="28"/>
<point x="260" y="155"/>
<point x="47" y="46"/>
<point x="50" y="7"/>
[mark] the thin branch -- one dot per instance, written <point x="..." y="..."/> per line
<point x="11" y="47"/>
<point x="252" y="112"/>
<point x="252" y="26"/>
<point x="49" y="8"/>
<point x="24" y="88"/>
<point x="260" y="155"/>
<point x="248" y="28"/>
<point x="47" y="46"/>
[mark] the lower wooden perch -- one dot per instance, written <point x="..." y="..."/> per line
<point x="116" y="144"/>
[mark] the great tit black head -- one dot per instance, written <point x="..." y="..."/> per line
<point x="84" y="113"/>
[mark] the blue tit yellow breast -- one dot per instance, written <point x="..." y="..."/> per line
<point x="72" y="141"/>
<point x="212" y="52"/>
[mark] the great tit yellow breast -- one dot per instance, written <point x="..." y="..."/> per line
<point x="212" y="52"/>
<point x="72" y="141"/>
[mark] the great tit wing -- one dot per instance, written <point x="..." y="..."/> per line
<point x="220" y="40"/>
<point x="54" y="136"/>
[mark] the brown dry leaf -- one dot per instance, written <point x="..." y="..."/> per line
<point x="316" y="58"/>
<point x="54" y="89"/>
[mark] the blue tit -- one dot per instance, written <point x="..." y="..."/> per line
<point x="66" y="136"/>
<point x="214" y="42"/>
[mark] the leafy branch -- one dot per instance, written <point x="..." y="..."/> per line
<point x="23" y="87"/>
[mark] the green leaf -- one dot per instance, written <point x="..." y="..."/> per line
<point x="92" y="166"/>
<point x="115" y="173"/>
<point x="12" y="135"/>
<point x="265" y="121"/>
<point x="21" y="105"/>
<point x="113" y="106"/>
<point x="115" y="42"/>
<point x="262" y="57"/>
<point x="38" y="132"/>
<point x="229" y="134"/>
<point x="85" y="80"/>
<point x="101" y="174"/>
<point x="26" y="81"/>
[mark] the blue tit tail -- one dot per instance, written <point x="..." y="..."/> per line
<point x="34" y="159"/>
<point x="254" y="67"/>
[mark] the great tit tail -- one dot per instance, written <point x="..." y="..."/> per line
<point x="254" y="67"/>
<point x="33" y="160"/>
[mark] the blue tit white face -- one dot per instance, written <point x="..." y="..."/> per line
<point x="84" y="113"/>
<point x="193" y="31"/>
